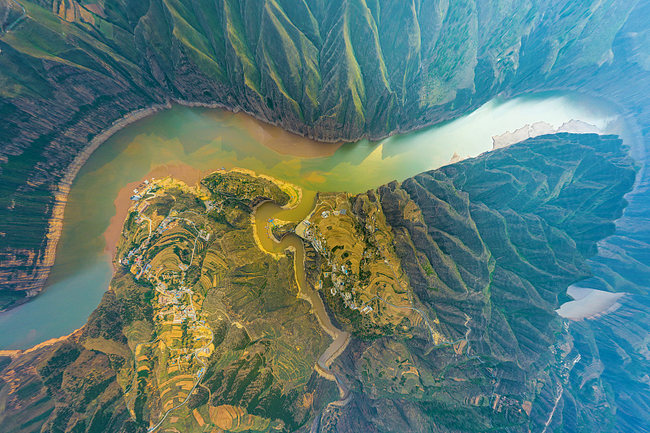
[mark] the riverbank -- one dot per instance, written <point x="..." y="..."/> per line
<point x="271" y="136"/>
<point x="589" y="303"/>
<point x="183" y="172"/>
<point x="293" y="243"/>
<point x="46" y="343"/>
<point x="194" y="142"/>
<point x="191" y="176"/>
<point x="55" y="223"/>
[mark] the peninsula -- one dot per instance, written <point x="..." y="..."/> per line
<point x="442" y="288"/>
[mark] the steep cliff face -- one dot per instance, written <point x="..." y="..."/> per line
<point x="330" y="70"/>
<point x="486" y="247"/>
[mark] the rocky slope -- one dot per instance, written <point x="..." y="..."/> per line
<point x="330" y="70"/>
<point x="487" y="246"/>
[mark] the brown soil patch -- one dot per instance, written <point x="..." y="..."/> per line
<point x="224" y="415"/>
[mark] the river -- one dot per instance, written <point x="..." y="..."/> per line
<point x="291" y="241"/>
<point x="588" y="303"/>
<point x="192" y="142"/>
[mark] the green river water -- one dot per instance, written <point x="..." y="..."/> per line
<point x="207" y="140"/>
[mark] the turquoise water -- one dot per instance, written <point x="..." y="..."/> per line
<point x="210" y="139"/>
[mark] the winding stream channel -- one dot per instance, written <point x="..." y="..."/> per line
<point x="267" y="211"/>
<point x="189" y="143"/>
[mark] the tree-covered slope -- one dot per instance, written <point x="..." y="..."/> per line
<point x="330" y="70"/>
<point x="368" y="67"/>
<point x="488" y="247"/>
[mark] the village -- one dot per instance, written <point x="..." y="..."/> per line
<point x="183" y="336"/>
<point x="359" y="264"/>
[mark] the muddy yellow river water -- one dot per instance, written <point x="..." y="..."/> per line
<point x="206" y="140"/>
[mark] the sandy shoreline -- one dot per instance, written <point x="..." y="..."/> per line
<point x="187" y="174"/>
<point x="183" y="172"/>
<point x="537" y="129"/>
<point x="271" y="136"/>
<point x="55" y="223"/>
<point x="588" y="303"/>
<point x="263" y="131"/>
<point x="51" y="341"/>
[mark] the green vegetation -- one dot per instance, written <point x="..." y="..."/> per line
<point x="487" y="247"/>
<point x="202" y="330"/>
<point x="70" y="68"/>
<point x="221" y="312"/>
<point x="360" y="274"/>
<point x="239" y="187"/>
<point x="195" y="307"/>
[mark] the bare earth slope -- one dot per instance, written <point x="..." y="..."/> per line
<point x="462" y="266"/>
<point x="330" y="70"/>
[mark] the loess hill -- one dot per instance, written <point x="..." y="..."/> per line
<point x="488" y="247"/>
<point x="462" y="266"/>
<point x="329" y="70"/>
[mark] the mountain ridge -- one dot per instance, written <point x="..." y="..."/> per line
<point x="489" y="295"/>
<point x="70" y="69"/>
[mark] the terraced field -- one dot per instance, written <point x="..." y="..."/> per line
<point x="361" y="275"/>
<point x="474" y="257"/>
<point x="202" y="328"/>
<point x="211" y="314"/>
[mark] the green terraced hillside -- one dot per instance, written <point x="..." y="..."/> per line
<point x="489" y="246"/>
<point x="330" y="70"/>
<point x="484" y="249"/>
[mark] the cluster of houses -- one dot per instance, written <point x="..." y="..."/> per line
<point x="183" y="313"/>
<point x="144" y="188"/>
<point x="326" y="213"/>
<point x="169" y="299"/>
<point x="347" y="296"/>
<point x="338" y="272"/>
<point x="174" y="300"/>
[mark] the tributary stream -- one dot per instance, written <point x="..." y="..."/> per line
<point x="191" y="142"/>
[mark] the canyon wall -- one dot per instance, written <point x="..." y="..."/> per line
<point x="328" y="70"/>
